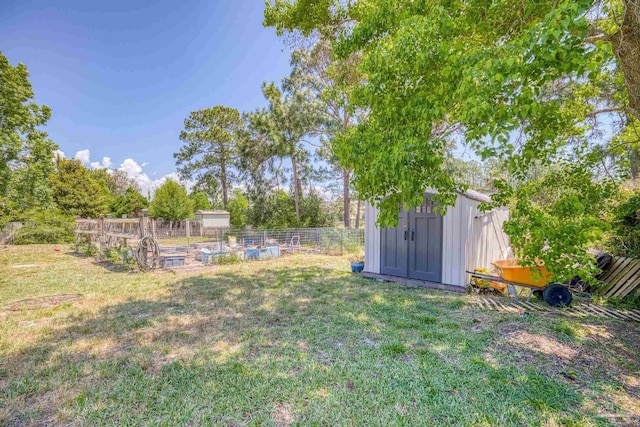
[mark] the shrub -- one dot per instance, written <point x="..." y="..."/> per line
<point x="121" y="256"/>
<point x="624" y="239"/>
<point x="45" y="227"/>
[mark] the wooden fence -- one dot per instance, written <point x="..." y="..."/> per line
<point x="622" y="277"/>
<point x="107" y="232"/>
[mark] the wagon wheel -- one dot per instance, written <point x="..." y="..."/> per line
<point x="147" y="254"/>
<point x="557" y="295"/>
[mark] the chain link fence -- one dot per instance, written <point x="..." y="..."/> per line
<point x="329" y="240"/>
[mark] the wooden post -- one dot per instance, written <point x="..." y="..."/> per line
<point x="187" y="230"/>
<point x="144" y="223"/>
<point x="105" y="231"/>
<point x="101" y="238"/>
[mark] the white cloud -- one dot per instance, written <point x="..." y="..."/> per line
<point x="105" y="163"/>
<point x="83" y="156"/>
<point x="147" y="185"/>
<point x="59" y="153"/>
<point x="132" y="168"/>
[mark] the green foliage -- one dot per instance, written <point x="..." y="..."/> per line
<point x="328" y="82"/>
<point x="557" y="217"/>
<point x="238" y="208"/>
<point x="171" y="202"/>
<point x="280" y="211"/>
<point x="45" y="226"/>
<point x="209" y="150"/>
<point x="230" y="258"/>
<point x="76" y="192"/>
<point x="200" y="200"/>
<point x="517" y="82"/>
<point x="278" y="131"/>
<point x="624" y="238"/>
<point x="211" y="187"/>
<point x="131" y="203"/>
<point x="25" y="151"/>
<point x="121" y="256"/>
<point x="115" y="182"/>
<point x="314" y="212"/>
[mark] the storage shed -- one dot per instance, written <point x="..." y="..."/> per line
<point x="214" y="219"/>
<point x="436" y="250"/>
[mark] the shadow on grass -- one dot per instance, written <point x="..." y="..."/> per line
<point x="273" y="346"/>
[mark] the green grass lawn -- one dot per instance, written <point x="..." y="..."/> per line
<point x="293" y="341"/>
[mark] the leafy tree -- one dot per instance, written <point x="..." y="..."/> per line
<point x="131" y="204"/>
<point x="551" y="29"/>
<point x="624" y="236"/>
<point x="76" y="192"/>
<point x="238" y="208"/>
<point x="171" y="202"/>
<point x="522" y="82"/>
<point x="328" y="81"/>
<point x="281" y="128"/>
<point x="315" y="213"/>
<point x="200" y="200"/>
<point x="281" y="212"/>
<point x="210" y="146"/>
<point x="45" y="226"/>
<point x="211" y="188"/>
<point x="25" y="151"/>
<point x="557" y="217"/>
<point x="115" y="180"/>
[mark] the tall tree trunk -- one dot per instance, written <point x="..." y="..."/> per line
<point x="626" y="46"/>
<point x="358" y="214"/>
<point x="225" y="189"/>
<point x="346" y="189"/>
<point x="296" y="186"/>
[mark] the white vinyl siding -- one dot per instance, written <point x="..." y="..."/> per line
<point x="371" y="240"/>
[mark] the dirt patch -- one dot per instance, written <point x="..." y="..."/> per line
<point x="582" y="361"/>
<point x="543" y="344"/>
<point x="38" y="303"/>
<point x="283" y="415"/>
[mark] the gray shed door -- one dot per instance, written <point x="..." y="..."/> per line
<point x="395" y="247"/>
<point x="425" y="242"/>
<point x="414" y="248"/>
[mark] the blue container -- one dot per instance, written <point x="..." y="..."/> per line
<point x="356" y="267"/>
<point x="271" y="252"/>
<point x="252" y="253"/>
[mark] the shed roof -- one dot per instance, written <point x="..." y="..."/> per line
<point x="214" y="212"/>
<point x="476" y="195"/>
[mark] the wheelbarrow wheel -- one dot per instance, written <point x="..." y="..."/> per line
<point x="557" y="295"/>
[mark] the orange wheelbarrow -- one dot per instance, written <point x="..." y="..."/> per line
<point x="512" y="274"/>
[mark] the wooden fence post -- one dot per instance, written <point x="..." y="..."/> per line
<point x="101" y="238"/>
<point x="187" y="229"/>
<point x="144" y="223"/>
<point x="109" y="216"/>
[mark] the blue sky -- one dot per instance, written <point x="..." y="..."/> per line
<point x="121" y="76"/>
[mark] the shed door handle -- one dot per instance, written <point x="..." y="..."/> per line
<point x="405" y="234"/>
<point x="413" y="233"/>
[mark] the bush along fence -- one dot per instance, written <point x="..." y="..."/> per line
<point x="152" y="242"/>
